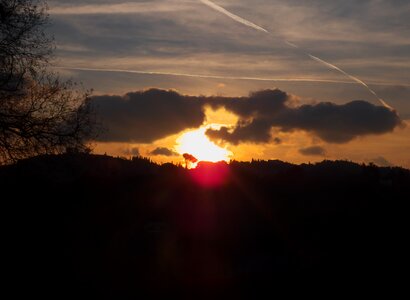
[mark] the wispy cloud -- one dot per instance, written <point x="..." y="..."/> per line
<point x="156" y="6"/>
<point x="315" y="58"/>
<point x="369" y="39"/>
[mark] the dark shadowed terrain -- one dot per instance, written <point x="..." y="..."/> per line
<point x="107" y="228"/>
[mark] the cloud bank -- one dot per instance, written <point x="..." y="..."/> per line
<point x="147" y="116"/>
<point x="331" y="122"/>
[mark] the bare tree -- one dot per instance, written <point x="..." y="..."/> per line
<point x="39" y="113"/>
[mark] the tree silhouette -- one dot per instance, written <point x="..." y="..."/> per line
<point x="189" y="159"/>
<point x="39" y="113"/>
<point x="118" y="221"/>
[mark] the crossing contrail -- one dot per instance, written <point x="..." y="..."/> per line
<point x="315" y="58"/>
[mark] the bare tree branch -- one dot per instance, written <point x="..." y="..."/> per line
<point x="39" y="113"/>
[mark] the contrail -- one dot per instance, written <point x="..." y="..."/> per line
<point x="351" y="77"/>
<point x="203" y="76"/>
<point x="259" y="28"/>
<point x="233" y="16"/>
<point x="221" y="76"/>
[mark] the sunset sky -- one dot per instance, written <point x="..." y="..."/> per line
<point x="176" y="76"/>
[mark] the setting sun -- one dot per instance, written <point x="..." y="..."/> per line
<point x="198" y="144"/>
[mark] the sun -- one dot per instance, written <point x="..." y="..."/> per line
<point x="198" y="144"/>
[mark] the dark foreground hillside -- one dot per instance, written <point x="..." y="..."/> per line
<point x="94" y="226"/>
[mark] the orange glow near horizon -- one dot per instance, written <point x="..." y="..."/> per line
<point x="198" y="144"/>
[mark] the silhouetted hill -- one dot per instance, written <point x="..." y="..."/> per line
<point x="98" y="226"/>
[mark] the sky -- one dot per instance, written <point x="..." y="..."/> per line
<point x="163" y="68"/>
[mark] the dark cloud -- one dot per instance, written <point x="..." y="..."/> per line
<point x="331" y="122"/>
<point x="147" y="116"/>
<point x="259" y="104"/>
<point x="313" y="151"/>
<point x="339" y="123"/>
<point x="163" y="152"/>
<point x="257" y="131"/>
<point x="255" y="112"/>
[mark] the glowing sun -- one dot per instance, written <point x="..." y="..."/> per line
<point x="198" y="144"/>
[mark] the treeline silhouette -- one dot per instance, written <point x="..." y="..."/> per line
<point x="112" y="228"/>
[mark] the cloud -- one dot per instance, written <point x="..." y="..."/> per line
<point x="146" y="116"/>
<point x="333" y="123"/>
<point x="174" y="36"/>
<point x="254" y="132"/>
<point x="339" y="123"/>
<point x="163" y="152"/>
<point x="313" y="151"/>
<point x="381" y="162"/>
<point x="399" y="95"/>
<point x="277" y="141"/>
<point x="265" y="102"/>
<point x="131" y="151"/>
<point x="109" y="8"/>
<point x="315" y="58"/>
